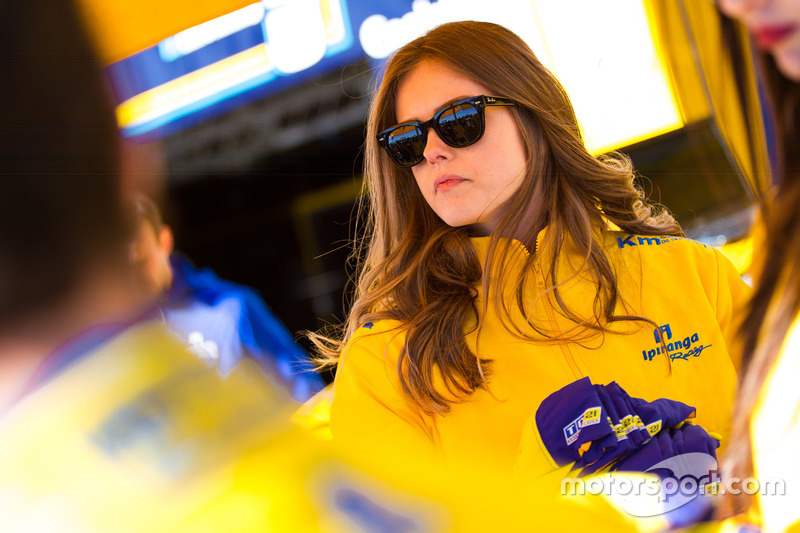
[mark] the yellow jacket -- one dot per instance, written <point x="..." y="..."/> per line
<point x="690" y="290"/>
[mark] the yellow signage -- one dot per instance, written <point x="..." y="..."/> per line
<point x="124" y="27"/>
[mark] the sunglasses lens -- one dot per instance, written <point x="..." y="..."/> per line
<point x="406" y="144"/>
<point x="460" y="125"/>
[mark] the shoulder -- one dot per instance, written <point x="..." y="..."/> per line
<point x="203" y="283"/>
<point x="368" y="369"/>
<point x="668" y="257"/>
<point x="376" y="335"/>
<point x="656" y="248"/>
<point x="381" y="340"/>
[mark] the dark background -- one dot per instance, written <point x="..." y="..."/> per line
<point x="243" y="227"/>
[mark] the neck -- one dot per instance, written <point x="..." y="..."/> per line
<point x="100" y="297"/>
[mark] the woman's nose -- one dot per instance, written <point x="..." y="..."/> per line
<point x="436" y="151"/>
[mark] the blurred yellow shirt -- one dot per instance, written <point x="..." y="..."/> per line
<point x="139" y="435"/>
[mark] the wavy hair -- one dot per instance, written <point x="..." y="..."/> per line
<point x="414" y="268"/>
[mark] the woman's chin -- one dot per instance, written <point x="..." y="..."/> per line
<point x="789" y="63"/>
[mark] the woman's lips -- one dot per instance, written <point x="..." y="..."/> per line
<point x="442" y="183"/>
<point x="768" y="36"/>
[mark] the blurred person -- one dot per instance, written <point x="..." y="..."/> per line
<point x="222" y="321"/>
<point x="503" y="265"/>
<point x="108" y="423"/>
<point x="767" y="412"/>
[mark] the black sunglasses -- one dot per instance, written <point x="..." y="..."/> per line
<point x="458" y="125"/>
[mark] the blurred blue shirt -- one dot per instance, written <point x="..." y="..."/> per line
<point x="224" y="321"/>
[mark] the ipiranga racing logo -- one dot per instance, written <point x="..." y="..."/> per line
<point x="590" y="417"/>
<point x="690" y="346"/>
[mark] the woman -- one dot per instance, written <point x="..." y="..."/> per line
<point x="503" y="262"/>
<point x="767" y="429"/>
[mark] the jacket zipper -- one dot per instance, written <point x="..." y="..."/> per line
<point x="540" y="283"/>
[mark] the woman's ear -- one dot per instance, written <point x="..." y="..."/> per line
<point x="166" y="241"/>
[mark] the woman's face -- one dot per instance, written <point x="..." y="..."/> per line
<point x="467" y="185"/>
<point x="775" y="24"/>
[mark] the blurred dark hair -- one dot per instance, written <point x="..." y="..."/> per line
<point x="776" y="301"/>
<point x="59" y="181"/>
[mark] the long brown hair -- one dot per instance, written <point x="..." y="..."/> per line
<point x="415" y="269"/>
<point x="776" y="300"/>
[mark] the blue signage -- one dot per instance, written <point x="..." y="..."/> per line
<point x="271" y="46"/>
<point x="255" y="52"/>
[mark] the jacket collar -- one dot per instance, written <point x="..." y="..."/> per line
<point x="516" y="248"/>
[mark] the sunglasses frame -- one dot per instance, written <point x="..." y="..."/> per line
<point x="480" y="102"/>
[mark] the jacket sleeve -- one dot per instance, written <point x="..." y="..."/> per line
<point x="733" y="296"/>
<point x="369" y="408"/>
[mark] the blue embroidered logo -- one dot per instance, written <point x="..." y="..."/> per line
<point x="678" y="349"/>
<point x="368" y="325"/>
<point x="633" y="240"/>
<point x="629" y="241"/>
